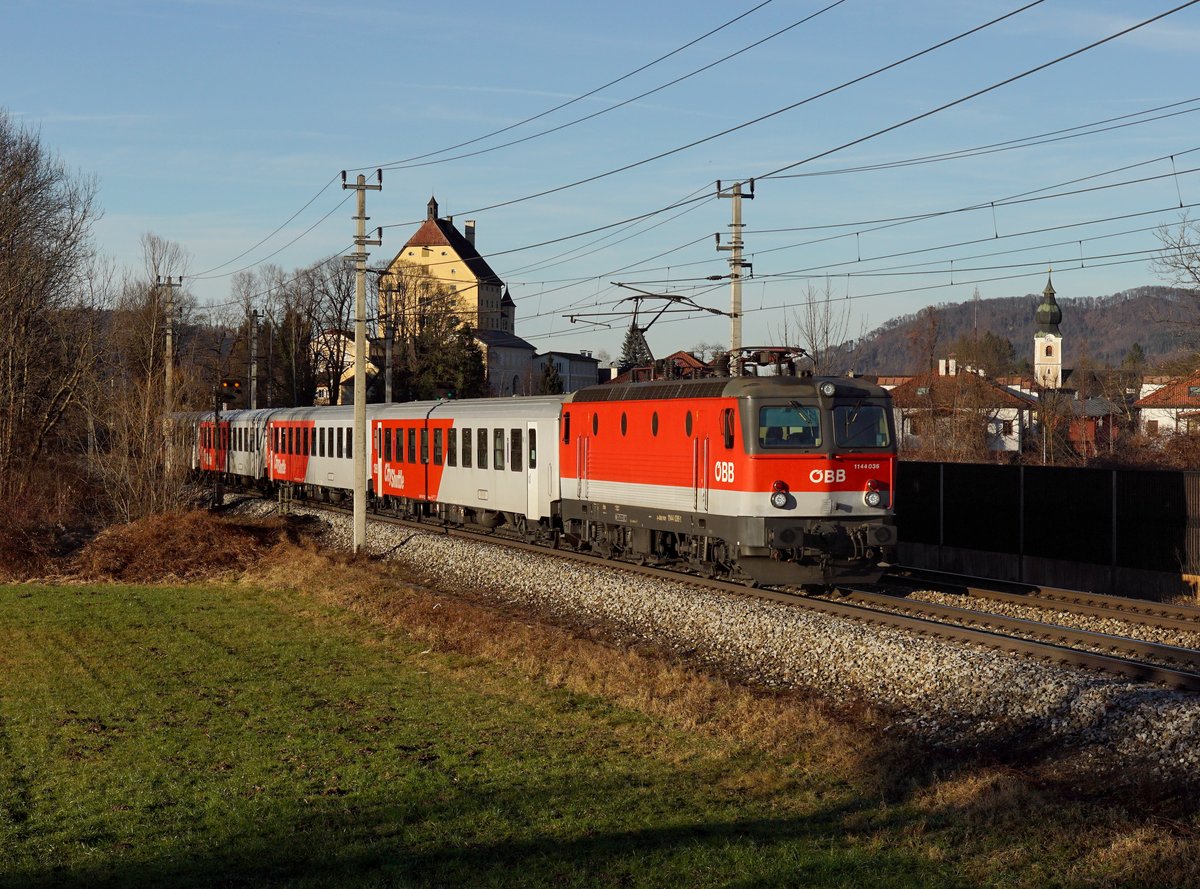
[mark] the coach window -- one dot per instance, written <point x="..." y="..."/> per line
<point x="412" y="444"/>
<point x="481" y="448"/>
<point x="312" y="439"/>
<point x="515" y="449"/>
<point x="349" y="442"/>
<point x="624" y="423"/>
<point x="437" y="446"/>
<point x="291" y="440"/>
<point x="497" y="448"/>
<point x="424" y="445"/>
<point x="533" y="449"/>
<point x="320" y="442"/>
<point x="466" y="449"/>
<point x="451" y="447"/>
<point x="398" y="434"/>
<point x="387" y="444"/>
<point x="340" y="441"/>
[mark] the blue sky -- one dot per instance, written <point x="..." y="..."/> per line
<point x="211" y="122"/>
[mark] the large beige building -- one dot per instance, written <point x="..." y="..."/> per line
<point x="450" y="258"/>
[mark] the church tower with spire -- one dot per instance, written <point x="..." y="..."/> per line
<point x="1047" y="341"/>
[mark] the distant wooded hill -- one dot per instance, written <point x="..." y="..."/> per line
<point x="1099" y="329"/>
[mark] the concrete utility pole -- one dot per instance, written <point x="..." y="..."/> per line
<point x="735" y="264"/>
<point x="169" y="395"/>
<point x="254" y="359"/>
<point x="362" y="444"/>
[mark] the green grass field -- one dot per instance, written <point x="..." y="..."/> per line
<point x="227" y="735"/>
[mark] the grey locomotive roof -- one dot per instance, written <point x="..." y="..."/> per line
<point x="727" y="387"/>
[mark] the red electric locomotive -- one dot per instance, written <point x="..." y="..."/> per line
<point x="779" y="480"/>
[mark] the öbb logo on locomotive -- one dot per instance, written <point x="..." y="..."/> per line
<point x="827" y="476"/>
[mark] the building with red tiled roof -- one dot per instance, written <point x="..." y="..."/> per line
<point x="449" y="257"/>
<point x="949" y="406"/>
<point x="1171" y="408"/>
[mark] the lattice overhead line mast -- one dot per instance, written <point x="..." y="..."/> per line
<point x="736" y="264"/>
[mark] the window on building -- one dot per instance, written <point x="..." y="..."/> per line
<point x="1049" y="351"/>
<point x="1152" y="427"/>
<point x="1007" y="427"/>
<point x="1193" y="391"/>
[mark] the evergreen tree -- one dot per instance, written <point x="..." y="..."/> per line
<point x="552" y="383"/>
<point x="634" y="351"/>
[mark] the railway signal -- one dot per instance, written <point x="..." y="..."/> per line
<point x="230" y="389"/>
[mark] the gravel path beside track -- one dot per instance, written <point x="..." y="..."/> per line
<point x="947" y="693"/>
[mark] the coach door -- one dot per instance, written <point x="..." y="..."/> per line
<point x="533" y="507"/>
<point x="700" y="455"/>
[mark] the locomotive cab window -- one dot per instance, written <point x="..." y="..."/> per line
<point x="860" y="426"/>
<point x="788" y="427"/>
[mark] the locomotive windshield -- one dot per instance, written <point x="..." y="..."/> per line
<point x="789" y="426"/>
<point x="860" y="426"/>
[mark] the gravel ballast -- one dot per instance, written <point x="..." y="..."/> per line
<point x="947" y="694"/>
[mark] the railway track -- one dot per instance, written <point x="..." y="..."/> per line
<point x="1136" y="611"/>
<point x="1126" y="657"/>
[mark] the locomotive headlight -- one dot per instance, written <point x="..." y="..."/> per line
<point x="779" y="494"/>
<point x="873" y="497"/>
<point x="828" y="389"/>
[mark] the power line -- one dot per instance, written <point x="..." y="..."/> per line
<point x="980" y="92"/>
<point x="625" y="102"/>
<point x="798" y="104"/>
<point x="573" y="101"/>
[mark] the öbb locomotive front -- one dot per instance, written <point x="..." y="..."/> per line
<point x="782" y="480"/>
<point x="779" y="480"/>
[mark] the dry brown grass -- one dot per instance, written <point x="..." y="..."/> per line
<point x="182" y="546"/>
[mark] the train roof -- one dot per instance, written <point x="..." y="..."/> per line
<point x="728" y="387"/>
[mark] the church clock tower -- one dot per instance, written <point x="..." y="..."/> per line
<point x="1047" y="341"/>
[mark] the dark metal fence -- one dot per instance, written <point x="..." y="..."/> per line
<point x="1124" y="518"/>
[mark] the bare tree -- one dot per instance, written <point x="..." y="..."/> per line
<point x="135" y="462"/>
<point x="49" y="299"/>
<point x="1179" y="263"/>
<point x="822" y="328"/>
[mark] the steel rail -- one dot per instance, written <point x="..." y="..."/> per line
<point x="1168" y="655"/>
<point x="1139" y="611"/>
